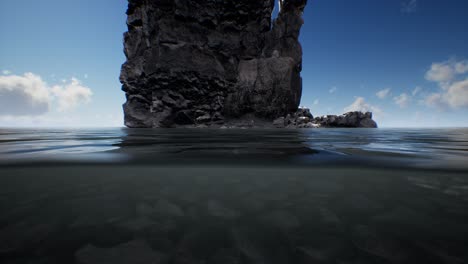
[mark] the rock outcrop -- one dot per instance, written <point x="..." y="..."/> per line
<point x="350" y="119"/>
<point x="211" y="63"/>
<point x="304" y="119"/>
<point x="208" y="62"/>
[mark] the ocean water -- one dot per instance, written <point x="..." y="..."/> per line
<point x="234" y="196"/>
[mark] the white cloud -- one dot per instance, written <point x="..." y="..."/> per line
<point x="316" y="101"/>
<point x="64" y="120"/>
<point x="6" y="72"/>
<point x="446" y="72"/>
<point x="416" y="91"/>
<point x="454" y="90"/>
<point x="71" y="95"/>
<point x="382" y="94"/>
<point x="456" y="96"/>
<point x="361" y="105"/>
<point x="435" y="100"/>
<point x="29" y="95"/>
<point x="440" y="72"/>
<point x="409" y="6"/>
<point x="461" y="67"/>
<point x="402" y="100"/>
<point x="333" y="89"/>
<point x="23" y="95"/>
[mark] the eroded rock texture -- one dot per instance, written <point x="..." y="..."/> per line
<point x="304" y="119"/>
<point x="193" y="62"/>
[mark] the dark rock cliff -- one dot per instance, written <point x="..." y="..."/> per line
<point x="195" y="62"/>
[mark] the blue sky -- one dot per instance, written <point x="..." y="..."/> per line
<point x="405" y="60"/>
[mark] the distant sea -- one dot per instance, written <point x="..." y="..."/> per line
<point x="233" y="196"/>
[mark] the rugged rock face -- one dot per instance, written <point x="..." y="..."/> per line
<point x="195" y="62"/>
<point x="304" y="119"/>
<point x="350" y="119"/>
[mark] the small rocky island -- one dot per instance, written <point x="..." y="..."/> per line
<point x="209" y="63"/>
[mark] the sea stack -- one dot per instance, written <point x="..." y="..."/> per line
<point x="211" y="62"/>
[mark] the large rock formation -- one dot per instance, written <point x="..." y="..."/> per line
<point x="193" y="62"/>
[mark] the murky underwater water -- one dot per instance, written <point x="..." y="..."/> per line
<point x="234" y="196"/>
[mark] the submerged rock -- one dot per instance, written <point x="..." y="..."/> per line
<point x="23" y="234"/>
<point x="248" y="247"/>
<point x="192" y="62"/>
<point x="160" y="208"/>
<point x="369" y="241"/>
<point x="313" y="255"/>
<point x="137" y="224"/>
<point x="281" y="219"/>
<point x="217" y="209"/>
<point x="166" y="208"/>
<point x="135" y="252"/>
<point x="226" y="256"/>
<point x="329" y="219"/>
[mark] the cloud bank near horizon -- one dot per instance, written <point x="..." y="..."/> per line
<point x="30" y="95"/>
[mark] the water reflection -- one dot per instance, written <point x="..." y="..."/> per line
<point x="57" y="144"/>
<point x="442" y="148"/>
<point x="432" y="149"/>
<point x="213" y="147"/>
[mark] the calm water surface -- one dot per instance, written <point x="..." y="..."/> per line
<point x="234" y="196"/>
